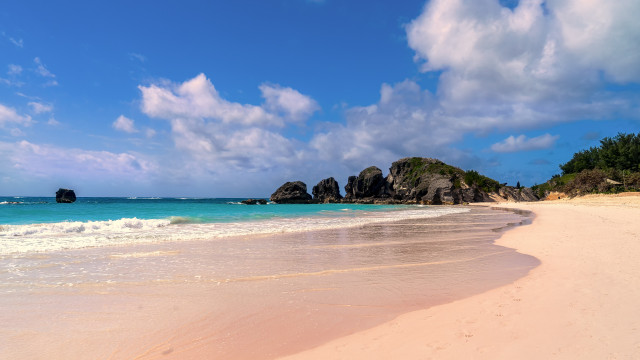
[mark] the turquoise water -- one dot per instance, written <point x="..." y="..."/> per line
<point x="35" y="210"/>
<point x="39" y="224"/>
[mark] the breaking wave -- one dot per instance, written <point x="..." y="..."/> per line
<point x="76" y="234"/>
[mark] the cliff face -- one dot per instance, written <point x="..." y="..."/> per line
<point x="420" y="181"/>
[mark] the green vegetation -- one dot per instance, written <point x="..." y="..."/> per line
<point x="444" y="169"/>
<point x="557" y="183"/>
<point x="486" y="184"/>
<point x="621" y="153"/>
<point x="597" y="169"/>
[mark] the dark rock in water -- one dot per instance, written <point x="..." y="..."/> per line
<point x="293" y="192"/>
<point x="254" y="202"/>
<point x="327" y="191"/>
<point x="65" y="196"/>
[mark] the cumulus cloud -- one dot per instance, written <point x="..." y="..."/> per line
<point x="522" y="143"/>
<point x="198" y="98"/>
<point x="288" y="101"/>
<point x="122" y="123"/>
<point x="531" y="65"/>
<point x="9" y="115"/>
<point x="405" y="121"/>
<point x="215" y="131"/>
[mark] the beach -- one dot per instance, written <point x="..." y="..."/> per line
<point x="469" y="285"/>
<point x="580" y="303"/>
<point x="244" y="297"/>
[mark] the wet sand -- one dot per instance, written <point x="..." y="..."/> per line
<point x="580" y="303"/>
<point x="248" y="298"/>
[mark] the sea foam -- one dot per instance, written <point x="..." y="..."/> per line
<point x="76" y="234"/>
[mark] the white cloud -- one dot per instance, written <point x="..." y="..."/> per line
<point x="40" y="108"/>
<point x="220" y="135"/>
<point x="522" y="143"/>
<point x="14" y="69"/>
<point x="15" y="41"/>
<point x="125" y="124"/>
<point x="41" y="69"/>
<point x="9" y="115"/>
<point x="141" y="58"/>
<point x="405" y="122"/>
<point x="288" y="101"/>
<point x="149" y="133"/>
<point x="530" y="66"/>
<point x="53" y="122"/>
<point x="198" y="98"/>
<point x="48" y="160"/>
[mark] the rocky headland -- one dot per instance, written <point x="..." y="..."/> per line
<point x="410" y="181"/>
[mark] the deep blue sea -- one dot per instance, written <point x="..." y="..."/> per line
<point x="37" y="224"/>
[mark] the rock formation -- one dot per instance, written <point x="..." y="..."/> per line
<point x="514" y="194"/>
<point x="410" y="181"/>
<point x="293" y="192"/>
<point x="327" y="191"/>
<point x="368" y="186"/>
<point x="254" y="202"/>
<point x="65" y="196"/>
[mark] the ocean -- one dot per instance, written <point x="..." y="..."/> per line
<point x="124" y="278"/>
<point x="36" y="224"/>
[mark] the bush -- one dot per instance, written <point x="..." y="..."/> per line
<point x="588" y="181"/>
<point x="484" y="183"/>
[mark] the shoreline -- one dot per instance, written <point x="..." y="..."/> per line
<point x="580" y="302"/>
<point x="179" y="300"/>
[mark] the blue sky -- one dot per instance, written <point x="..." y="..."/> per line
<point x="232" y="98"/>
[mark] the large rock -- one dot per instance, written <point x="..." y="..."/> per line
<point x="293" y="192"/>
<point x="65" y="196"/>
<point x="327" y="191"/>
<point x="368" y="185"/>
<point x="349" y="188"/>
<point x="427" y="181"/>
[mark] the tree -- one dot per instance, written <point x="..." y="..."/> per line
<point x="518" y="185"/>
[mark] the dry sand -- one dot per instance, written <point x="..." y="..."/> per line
<point x="582" y="302"/>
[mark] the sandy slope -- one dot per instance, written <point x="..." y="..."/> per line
<point x="582" y="302"/>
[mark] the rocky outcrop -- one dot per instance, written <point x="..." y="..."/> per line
<point x="511" y="193"/>
<point x="427" y="181"/>
<point x="294" y="192"/>
<point x="65" y="196"/>
<point x="327" y="191"/>
<point x="254" y="202"/>
<point x="410" y="181"/>
<point x="367" y="186"/>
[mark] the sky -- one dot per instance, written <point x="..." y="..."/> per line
<point x="233" y="98"/>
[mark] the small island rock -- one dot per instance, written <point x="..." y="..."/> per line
<point x="65" y="196"/>
<point x="292" y="192"/>
<point x="254" y="202"/>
